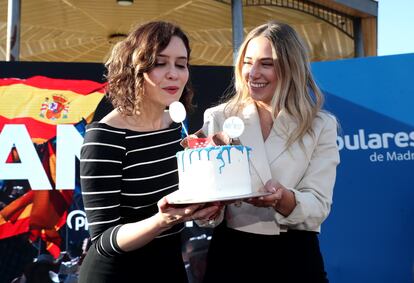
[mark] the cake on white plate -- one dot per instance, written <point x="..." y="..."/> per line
<point x="213" y="173"/>
<point x="208" y="172"/>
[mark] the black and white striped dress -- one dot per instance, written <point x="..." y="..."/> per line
<point x="123" y="175"/>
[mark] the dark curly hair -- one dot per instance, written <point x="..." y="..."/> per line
<point x="136" y="55"/>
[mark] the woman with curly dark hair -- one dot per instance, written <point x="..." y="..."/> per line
<point x="128" y="163"/>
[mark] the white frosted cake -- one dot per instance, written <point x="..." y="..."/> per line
<point x="215" y="172"/>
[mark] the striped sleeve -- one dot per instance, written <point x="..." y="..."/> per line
<point x="101" y="161"/>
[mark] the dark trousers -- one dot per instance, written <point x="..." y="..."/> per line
<point x="291" y="257"/>
<point x="158" y="261"/>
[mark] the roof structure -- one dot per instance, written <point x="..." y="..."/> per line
<point x="84" y="31"/>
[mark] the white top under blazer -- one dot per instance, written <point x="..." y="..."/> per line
<point x="309" y="171"/>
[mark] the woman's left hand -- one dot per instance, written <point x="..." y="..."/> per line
<point x="273" y="199"/>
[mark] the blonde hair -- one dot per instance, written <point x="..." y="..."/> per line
<point x="296" y="93"/>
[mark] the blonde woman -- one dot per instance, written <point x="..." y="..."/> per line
<point x="275" y="238"/>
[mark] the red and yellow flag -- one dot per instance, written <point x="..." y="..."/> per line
<point x="41" y="103"/>
<point x="15" y="217"/>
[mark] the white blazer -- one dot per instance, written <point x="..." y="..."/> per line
<point x="308" y="172"/>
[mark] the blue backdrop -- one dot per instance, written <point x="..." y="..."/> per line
<point x="369" y="235"/>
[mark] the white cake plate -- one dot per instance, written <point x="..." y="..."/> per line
<point x="179" y="198"/>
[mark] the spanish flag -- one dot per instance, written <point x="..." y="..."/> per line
<point x="41" y="103"/>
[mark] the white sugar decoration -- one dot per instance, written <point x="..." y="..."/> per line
<point x="178" y="113"/>
<point x="233" y="127"/>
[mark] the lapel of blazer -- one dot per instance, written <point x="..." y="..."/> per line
<point x="276" y="142"/>
<point x="252" y="137"/>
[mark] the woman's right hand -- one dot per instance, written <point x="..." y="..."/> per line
<point x="184" y="142"/>
<point x="171" y="215"/>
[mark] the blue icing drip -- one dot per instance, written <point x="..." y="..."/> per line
<point x="209" y="149"/>
<point x="198" y="150"/>
<point x="180" y="155"/>
<point x="248" y="149"/>
<point x="242" y="148"/>
<point x="189" y="156"/>
<point x="219" y="155"/>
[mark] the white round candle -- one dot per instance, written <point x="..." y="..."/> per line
<point x="233" y="127"/>
<point x="177" y="111"/>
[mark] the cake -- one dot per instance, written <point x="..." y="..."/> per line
<point x="213" y="173"/>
